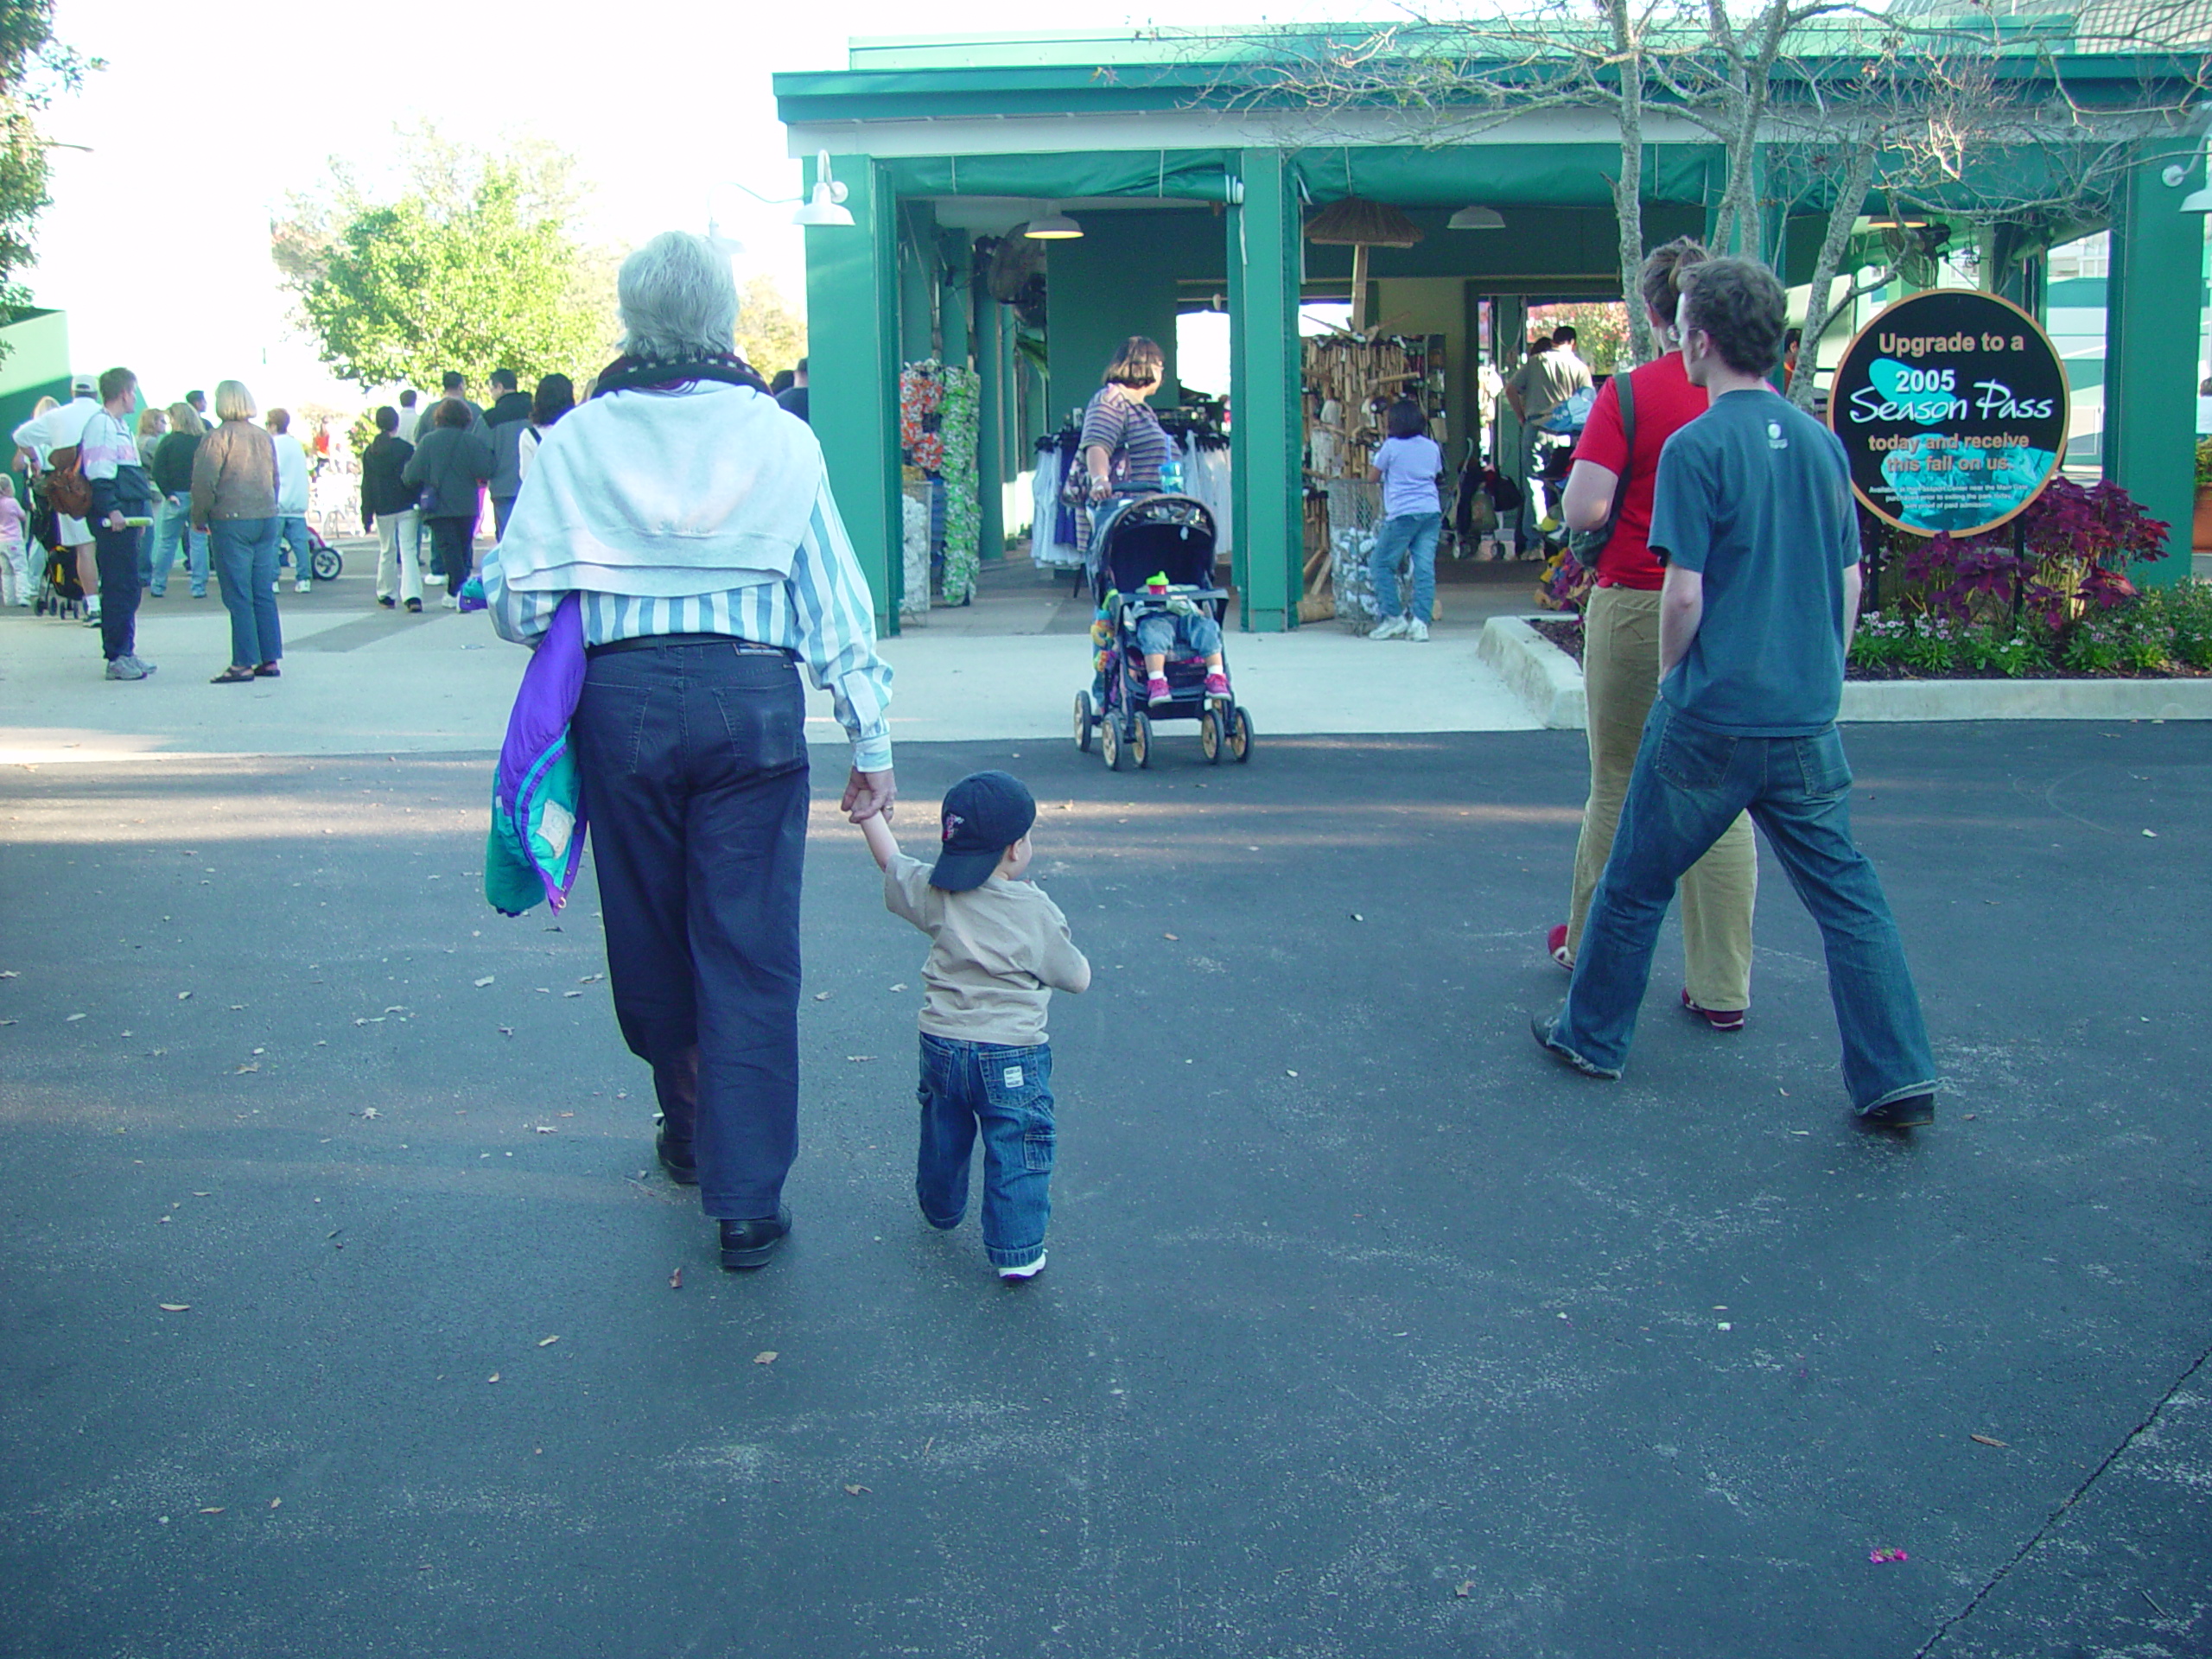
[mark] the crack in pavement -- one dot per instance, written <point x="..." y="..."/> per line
<point x="2072" y="1498"/>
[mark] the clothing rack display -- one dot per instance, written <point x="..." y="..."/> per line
<point x="1052" y="528"/>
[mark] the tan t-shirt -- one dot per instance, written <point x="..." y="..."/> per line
<point x="997" y="953"/>
<point x="1548" y="379"/>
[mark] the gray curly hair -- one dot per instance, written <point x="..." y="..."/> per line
<point x="677" y="300"/>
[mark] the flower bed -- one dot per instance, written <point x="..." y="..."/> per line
<point x="2061" y="606"/>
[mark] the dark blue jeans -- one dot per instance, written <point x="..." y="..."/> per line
<point x="1689" y="784"/>
<point x="694" y="761"/>
<point x="246" y="570"/>
<point x="1008" y="1092"/>
<point x="115" y="553"/>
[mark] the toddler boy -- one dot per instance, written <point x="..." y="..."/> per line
<point x="998" y="950"/>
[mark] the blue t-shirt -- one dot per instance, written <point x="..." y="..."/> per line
<point x="1409" y="467"/>
<point x="1756" y="496"/>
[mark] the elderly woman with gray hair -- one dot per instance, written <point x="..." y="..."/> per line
<point x="694" y="522"/>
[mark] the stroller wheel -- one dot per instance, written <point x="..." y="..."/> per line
<point x="1209" y="737"/>
<point x="1083" y="721"/>
<point x="325" y="561"/>
<point x="1240" y="736"/>
<point x="1110" y="747"/>
<point x="1141" y="740"/>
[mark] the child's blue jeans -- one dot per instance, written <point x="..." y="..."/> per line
<point x="1008" y="1091"/>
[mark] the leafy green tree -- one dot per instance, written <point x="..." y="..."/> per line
<point x="34" y="68"/>
<point x="474" y="265"/>
<point x="770" y="331"/>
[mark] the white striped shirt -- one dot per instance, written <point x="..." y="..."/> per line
<point x="821" y="611"/>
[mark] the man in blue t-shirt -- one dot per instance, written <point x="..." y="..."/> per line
<point x="1752" y="515"/>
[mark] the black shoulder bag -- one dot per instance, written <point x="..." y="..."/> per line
<point x="1587" y="545"/>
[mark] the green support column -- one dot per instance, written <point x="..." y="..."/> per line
<point x="2157" y="255"/>
<point x="852" y="304"/>
<point x="990" y="421"/>
<point x="1269" y="419"/>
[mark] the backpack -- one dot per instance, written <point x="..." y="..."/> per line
<point x="66" y="486"/>
<point x="1587" y="545"/>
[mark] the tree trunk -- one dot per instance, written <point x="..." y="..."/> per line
<point x="1628" y="188"/>
<point x="1820" y="310"/>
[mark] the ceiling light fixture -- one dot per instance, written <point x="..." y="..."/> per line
<point x="827" y="208"/>
<point x="1477" y="218"/>
<point x="1055" y="226"/>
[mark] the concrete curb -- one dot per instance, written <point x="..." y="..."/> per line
<point x="1548" y="682"/>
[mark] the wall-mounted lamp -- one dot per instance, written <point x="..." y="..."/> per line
<point x="1055" y="226"/>
<point x="827" y="207"/>
<point x="1476" y="219"/>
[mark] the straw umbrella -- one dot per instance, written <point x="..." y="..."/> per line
<point x="1360" y="224"/>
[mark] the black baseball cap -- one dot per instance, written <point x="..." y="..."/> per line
<point x="983" y="814"/>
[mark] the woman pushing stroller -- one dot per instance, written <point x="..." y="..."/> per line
<point x="1121" y="451"/>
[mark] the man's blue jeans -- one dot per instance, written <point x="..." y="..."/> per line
<point x="292" y="531"/>
<point x="173" y="533"/>
<point x="1008" y="1091"/>
<point x="1400" y="534"/>
<point x="1689" y="784"/>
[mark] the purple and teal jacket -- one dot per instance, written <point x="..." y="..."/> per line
<point x="537" y="842"/>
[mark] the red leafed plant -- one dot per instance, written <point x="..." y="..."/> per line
<point x="2077" y="547"/>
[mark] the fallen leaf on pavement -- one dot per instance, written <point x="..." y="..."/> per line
<point x="486" y="980"/>
<point x="73" y="1019"/>
<point x="548" y="1342"/>
<point x="675" y="1280"/>
<point x="237" y="1007"/>
<point x="493" y="1378"/>
<point x="900" y="986"/>
<point x="572" y="993"/>
<point x="507" y="1030"/>
<point x="1465" y="1590"/>
<point x="855" y="1491"/>
<point x="184" y="996"/>
<point x="9" y="973"/>
<point x="175" y="1307"/>
<point x="215" y="1510"/>
<point x="591" y="979"/>
<point x="1984" y="1439"/>
<point x="765" y="1357"/>
<point x="1288" y="1073"/>
<point x="276" y="1502"/>
<point x="547" y="1128"/>
<point x="856" y="1059"/>
<point x="243" y="1069"/>
<point x="1172" y="936"/>
<point x="371" y="1111"/>
<point x="822" y="997"/>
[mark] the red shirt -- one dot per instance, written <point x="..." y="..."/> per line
<point x="1665" y="403"/>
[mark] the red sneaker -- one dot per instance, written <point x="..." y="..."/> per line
<point x="1555" y="942"/>
<point x="1156" y="690"/>
<point x="1217" y="686"/>
<point x="1719" y="1019"/>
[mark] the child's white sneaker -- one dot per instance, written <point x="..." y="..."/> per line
<point x="1016" y="1275"/>
<point x="1392" y="629"/>
<point x="1416" y="630"/>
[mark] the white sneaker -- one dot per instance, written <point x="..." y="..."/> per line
<point x="303" y="586"/>
<point x="1392" y="629"/>
<point x="1016" y="1275"/>
<point x="450" y="603"/>
<point x="1417" y="631"/>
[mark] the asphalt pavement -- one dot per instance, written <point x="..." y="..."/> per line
<point x="343" y="1310"/>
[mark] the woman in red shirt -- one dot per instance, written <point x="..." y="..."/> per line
<point x="1620" y="660"/>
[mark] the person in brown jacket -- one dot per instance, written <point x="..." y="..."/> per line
<point x="234" y="494"/>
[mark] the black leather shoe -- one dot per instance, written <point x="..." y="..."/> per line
<point x="750" y="1243"/>
<point x="1911" y="1113"/>
<point x="676" y="1158"/>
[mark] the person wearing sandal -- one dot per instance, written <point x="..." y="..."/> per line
<point x="234" y="494"/>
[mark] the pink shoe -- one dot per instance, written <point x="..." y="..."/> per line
<point x="1555" y="942"/>
<point x="1719" y="1019"/>
<point x="1217" y="686"/>
<point x="1156" y="690"/>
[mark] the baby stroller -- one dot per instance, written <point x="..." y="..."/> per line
<point x="323" y="562"/>
<point x="58" y="592"/>
<point x="1154" y="535"/>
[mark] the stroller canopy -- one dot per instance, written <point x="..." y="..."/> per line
<point x="1153" y="534"/>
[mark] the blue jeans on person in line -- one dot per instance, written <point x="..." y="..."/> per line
<point x="1690" y="782"/>
<point x="1400" y="536"/>
<point x="246" y="569"/>
<point x="292" y="531"/>
<point x="1006" y="1091"/>
<point x="1159" y="635"/>
<point x="173" y="533"/>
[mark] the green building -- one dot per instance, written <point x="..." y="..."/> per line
<point x="1189" y="197"/>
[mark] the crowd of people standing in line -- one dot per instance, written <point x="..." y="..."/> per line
<point x="227" y="492"/>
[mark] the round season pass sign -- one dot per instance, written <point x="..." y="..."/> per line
<point x="1952" y="406"/>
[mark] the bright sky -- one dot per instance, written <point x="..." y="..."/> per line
<point x="157" y="243"/>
